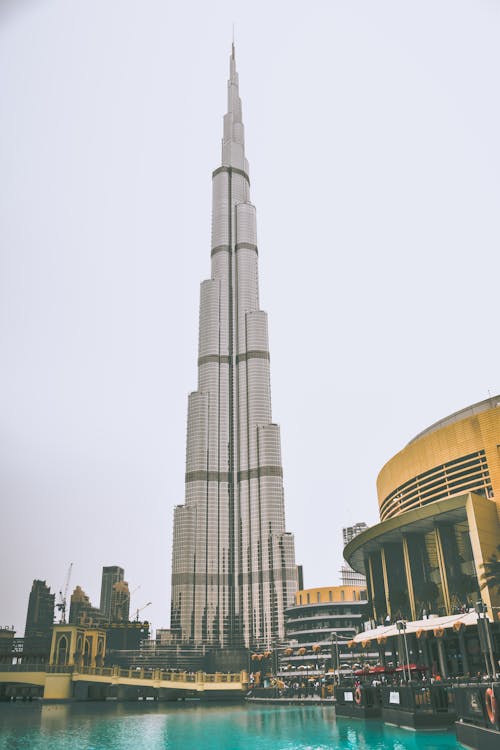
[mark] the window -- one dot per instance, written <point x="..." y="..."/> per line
<point x="468" y="472"/>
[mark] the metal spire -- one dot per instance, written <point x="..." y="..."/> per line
<point x="233" y="141"/>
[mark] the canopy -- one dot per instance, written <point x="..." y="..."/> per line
<point x="386" y="631"/>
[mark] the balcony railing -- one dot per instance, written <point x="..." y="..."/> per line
<point x="130" y="673"/>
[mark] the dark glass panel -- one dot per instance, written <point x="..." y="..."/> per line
<point x="396" y="577"/>
<point x="378" y="592"/>
<point x="425" y="574"/>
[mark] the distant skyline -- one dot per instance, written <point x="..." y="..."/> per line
<point x="372" y="134"/>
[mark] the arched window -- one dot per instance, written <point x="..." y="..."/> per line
<point x="62" y="650"/>
<point x="87" y="653"/>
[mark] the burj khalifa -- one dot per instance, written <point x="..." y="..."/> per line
<point x="233" y="563"/>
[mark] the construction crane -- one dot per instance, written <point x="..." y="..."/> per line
<point x="61" y="604"/>
<point x="140" y="610"/>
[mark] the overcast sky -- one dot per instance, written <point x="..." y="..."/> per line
<point x="372" y="131"/>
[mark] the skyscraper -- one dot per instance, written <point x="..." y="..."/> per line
<point x="348" y="576"/>
<point x="120" y="602"/>
<point x="233" y="563"/>
<point x="39" y="621"/>
<point x="81" y="611"/>
<point x="111" y="574"/>
<point x="349" y="532"/>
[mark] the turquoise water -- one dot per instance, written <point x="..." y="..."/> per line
<point x="132" y="726"/>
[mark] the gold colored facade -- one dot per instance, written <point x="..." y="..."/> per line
<point x="75" y="646"/>
<point x="429" y="560"/>
<point x="439" y="501"/>
<point x="327" y="594"/>
<point x="459" y="454"/>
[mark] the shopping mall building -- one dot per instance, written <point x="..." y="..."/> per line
<point x="439" y="502"/>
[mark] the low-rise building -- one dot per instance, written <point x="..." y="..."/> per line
<point x="321" y="622"/>
<point x="7" y="635"/>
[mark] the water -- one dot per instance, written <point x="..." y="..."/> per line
<point x="191" y="726"/>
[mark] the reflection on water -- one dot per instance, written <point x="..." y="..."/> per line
<point x="195" y="726"/>
<point x="53" y="717"/>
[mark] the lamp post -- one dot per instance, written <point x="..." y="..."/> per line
<point x="276" y="663"/>
<point x="484" y="632"/>
<point x="401" y="626"/>
<point x="335" y="662"/>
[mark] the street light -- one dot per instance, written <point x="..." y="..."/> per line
<point x="336" y="670"/>
<point x="276" y="661"/>
<point x="484" y="632"/>
<point x="401" y="626"/>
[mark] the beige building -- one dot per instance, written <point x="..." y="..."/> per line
<point x="120" y="602"/>
<point x="75" y="646"/>
<point x="233" y="562"/>
<point x="320" y="618"/>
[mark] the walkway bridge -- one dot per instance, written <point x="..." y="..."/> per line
<point x="56" y="683"/>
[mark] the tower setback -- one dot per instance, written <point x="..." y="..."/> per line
<point x="233" y="563"/>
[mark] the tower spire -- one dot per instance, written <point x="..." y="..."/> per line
<point x="233" y="140"/>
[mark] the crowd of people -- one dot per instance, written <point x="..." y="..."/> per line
<point x="290" y="687"/>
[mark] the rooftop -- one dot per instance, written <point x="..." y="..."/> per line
<point x="489" y="403"/>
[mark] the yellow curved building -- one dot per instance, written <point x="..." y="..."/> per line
<point x="439" y="502"/>
<point x="461" y="453"/>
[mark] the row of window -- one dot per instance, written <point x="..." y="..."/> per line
<point x="463" y="474"/>
<point x="308" y="598"/>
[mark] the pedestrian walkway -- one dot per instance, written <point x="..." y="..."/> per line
<point x="310" y="700"/>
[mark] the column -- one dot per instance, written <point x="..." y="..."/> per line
<point x="409" y="581"/>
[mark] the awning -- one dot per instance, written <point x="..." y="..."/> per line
<point x="386" y="631"/>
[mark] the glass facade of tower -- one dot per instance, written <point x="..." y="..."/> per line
<point x="39" y="621"/>
<point x="111" y="574"/>
<point x="233" y="564"/>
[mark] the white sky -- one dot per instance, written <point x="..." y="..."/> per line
<point x="373" y="137"/>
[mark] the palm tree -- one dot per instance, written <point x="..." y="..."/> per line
<point x="490" y="577"/>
